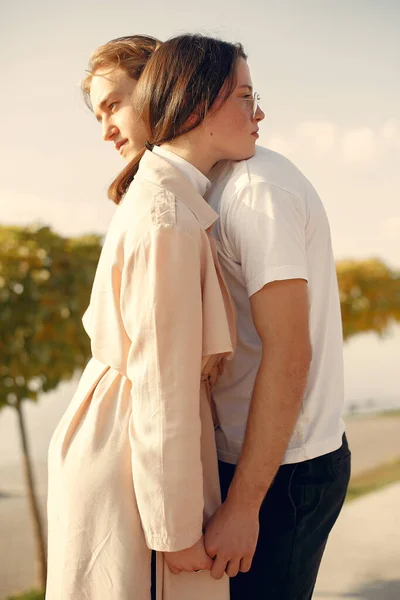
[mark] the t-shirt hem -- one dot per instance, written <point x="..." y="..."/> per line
<point x="295" y="455"/>
<point x="276" y="274"/>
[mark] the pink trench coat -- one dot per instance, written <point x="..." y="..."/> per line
<point x="132" y="464"/>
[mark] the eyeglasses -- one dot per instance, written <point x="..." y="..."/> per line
<point x="256" y="100"/>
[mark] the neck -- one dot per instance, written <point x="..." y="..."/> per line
<point x="193" y="149"/>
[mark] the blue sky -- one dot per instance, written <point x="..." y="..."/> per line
<point x="329" y="77"/>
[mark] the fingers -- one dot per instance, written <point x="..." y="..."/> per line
<point x="233" y="568"/>
<point x="213" y="376"/>
<point x="245" y="564"/>
<point x="208" y="563"/>
<point x="174" y="570"/>
<point x="235" y="565"/>
<point x="218" y="568"/>
<point x="203" y="563"/>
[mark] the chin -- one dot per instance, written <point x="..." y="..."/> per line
<point x="131" y="153"/>
<point x="128" y="156"/>
<point x="243" y="151"/>
<point x="244" y="155"/>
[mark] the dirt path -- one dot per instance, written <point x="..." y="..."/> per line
<point x="362" y="558"/>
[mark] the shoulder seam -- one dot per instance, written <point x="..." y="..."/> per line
<point x="257" y="183"/>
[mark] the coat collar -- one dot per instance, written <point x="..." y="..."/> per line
<point x="157" y="170"/>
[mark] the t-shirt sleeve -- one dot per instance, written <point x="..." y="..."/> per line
<point x="265" y="226"/>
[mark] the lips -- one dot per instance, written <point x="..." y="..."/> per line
<point x="255" y="134"/>
<point x="118" y="145"/>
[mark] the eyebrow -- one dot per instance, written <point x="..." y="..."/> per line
<point x="240" y="87"/>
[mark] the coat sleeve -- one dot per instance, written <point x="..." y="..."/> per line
<point x="162" y="314"/>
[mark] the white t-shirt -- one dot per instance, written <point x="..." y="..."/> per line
<point x="273" y="226"/>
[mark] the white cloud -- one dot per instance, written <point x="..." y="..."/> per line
<point x="358" y="146"/>
<point x="321" y="135"/>
<point x="315" y="137"/>
<point x="282" y="145"/>
<point x="390" y="133"/>
<point x="354" y="147"/>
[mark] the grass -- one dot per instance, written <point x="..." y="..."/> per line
<point x="374" y="479"/>
<point x="392" y="412"/>
<point x="30" y="595"/>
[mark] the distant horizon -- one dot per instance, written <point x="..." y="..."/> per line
<point x="43" y="416"/>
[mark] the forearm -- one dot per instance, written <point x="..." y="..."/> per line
<point x="275" y="405"/>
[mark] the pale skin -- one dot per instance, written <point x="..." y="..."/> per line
<point x="230" y="132"/>
<point x="227" y="133"/>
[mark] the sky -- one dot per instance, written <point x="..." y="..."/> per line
<point x="328" y="73"/>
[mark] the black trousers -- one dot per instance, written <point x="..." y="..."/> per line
<point x="296" y="518"/>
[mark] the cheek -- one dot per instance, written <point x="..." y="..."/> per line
<point x="235" y="123"/>
<point x="129" y="122"/>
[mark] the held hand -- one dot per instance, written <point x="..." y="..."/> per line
<point x="231" y="538"/>
<point x="194" y="558"/>
<point x="215" y="372"/>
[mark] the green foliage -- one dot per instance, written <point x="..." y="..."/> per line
<point x="45" y="283"/>
<point x="374" y="479"/>
<point x="31" y="595"/>
<point x="369" y="296"/>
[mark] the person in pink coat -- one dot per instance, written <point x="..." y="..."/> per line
<point x="133" y="464"/>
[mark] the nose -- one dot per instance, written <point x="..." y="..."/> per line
<point x="109" y="130"/>
<point x="260" y="115"/>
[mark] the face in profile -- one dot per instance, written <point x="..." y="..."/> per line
<point x="111" y="97"/>
<point x="231" y="127"/>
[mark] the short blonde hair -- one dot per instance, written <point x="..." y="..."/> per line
<point x="129" y="53"/>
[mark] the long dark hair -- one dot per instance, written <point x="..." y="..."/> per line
<point x="181" y="80"/>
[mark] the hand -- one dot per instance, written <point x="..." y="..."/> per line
<point x="190" y="559"/>
<point x="215" y="372"/>
<point x="231" y="538"/>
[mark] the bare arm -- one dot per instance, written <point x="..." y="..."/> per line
<point x="280" y="313"/>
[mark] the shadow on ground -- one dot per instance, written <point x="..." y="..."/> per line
<point x="5" y="495"/>
<point x="378" y="590"/>
<point x="373" y="590"/>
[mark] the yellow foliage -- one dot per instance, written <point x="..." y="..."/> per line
<point x="369" y="296"/>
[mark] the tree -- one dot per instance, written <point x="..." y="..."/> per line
<point x="45" y="283"/>
<point x="369" y="296"/>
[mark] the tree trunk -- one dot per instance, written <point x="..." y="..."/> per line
<point x="40" y="554"/>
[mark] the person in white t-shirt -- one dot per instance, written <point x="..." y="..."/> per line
<point x="284" y="458"/>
